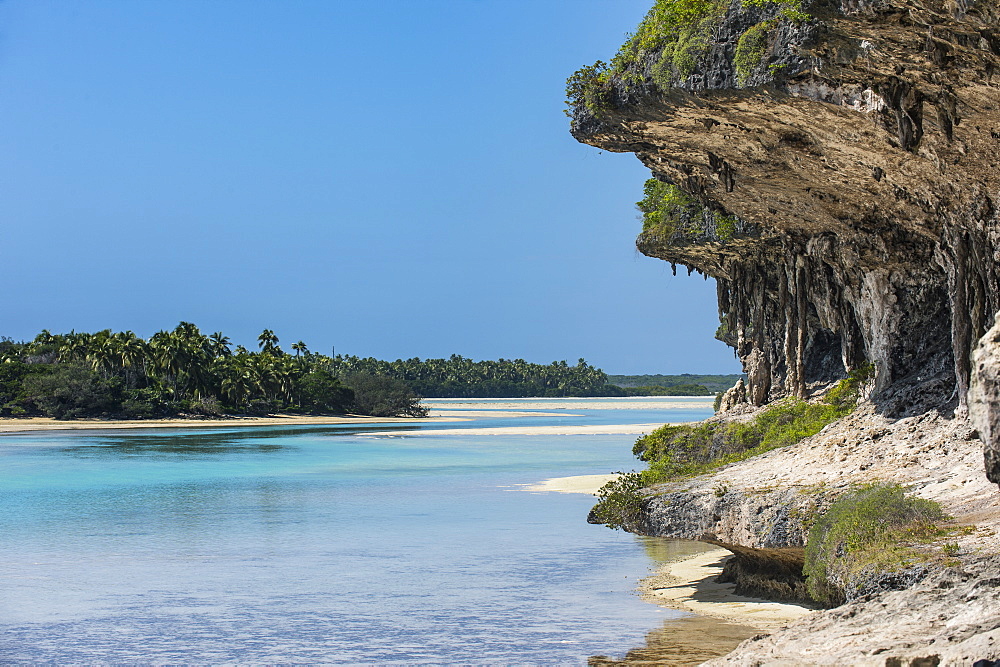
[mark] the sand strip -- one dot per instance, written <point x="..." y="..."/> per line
<point x="689" y="584"/>
<point x="45" y="424"/>
<point x="574" y="484"/>
<point x="611" y="429"/>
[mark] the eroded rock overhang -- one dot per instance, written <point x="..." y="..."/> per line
<point x="865" y="148"/>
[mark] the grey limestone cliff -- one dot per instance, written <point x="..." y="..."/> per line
<point x="859" y="155"/>
<point x="840" y="167"/>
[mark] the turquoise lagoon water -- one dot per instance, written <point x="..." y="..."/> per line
<point x="319" y="544"/>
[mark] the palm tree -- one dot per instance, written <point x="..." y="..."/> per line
<point x="268" y="342"/>
<point x="220" y="344"/>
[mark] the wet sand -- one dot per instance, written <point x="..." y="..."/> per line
<point x="690" y="584"/>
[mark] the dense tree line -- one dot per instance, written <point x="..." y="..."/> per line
<point x="688" y="381"/>
<point x="459" y="377"/>
<point x="186" y="372"/>
<point x="183" y="371"/>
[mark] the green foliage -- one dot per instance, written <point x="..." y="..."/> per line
<point x="864" y="535"/>
<point x="677" y="451"/>
<point x="684" y="389"/>
<point x="677" y="30"/>
<point x="460" y="377"/>
<point x="320" y="392"/>
<point x="662" y="205"/>
<point x="750" y="49"/>
<point x="725" y="227"/>
<point x="179" y="372"/>
<point x="589" y="86"/>
<point x="789" y="9"/>
<point x="619" y="502"/>
<point x="667" y="46"/>
<point x="70" y="391"/>
<point x="383" y="396"/>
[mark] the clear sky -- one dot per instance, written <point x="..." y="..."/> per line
<point x="394" y="178"/>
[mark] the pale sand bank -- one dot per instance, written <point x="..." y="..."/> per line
<point x="575" y="484"/>
<point x="665" y="403"/>
<point x="45" y="424"/>
<point x="465" y="415"/>
<point x="689" y="584"/>
<point x="603" y="429"/>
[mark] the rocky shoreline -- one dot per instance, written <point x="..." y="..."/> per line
<point x="832" y="164"/>
<point x="761" y="508"/>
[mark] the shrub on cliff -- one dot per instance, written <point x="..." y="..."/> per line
<point x="683" y="450"/>
<point x="863" y="543"/>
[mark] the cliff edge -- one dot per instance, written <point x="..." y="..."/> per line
<point x="835" y="166"/>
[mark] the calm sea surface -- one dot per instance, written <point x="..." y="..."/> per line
<point x="323" y="544"/>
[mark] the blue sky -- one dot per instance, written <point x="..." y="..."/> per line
<point x="394" y="178"/>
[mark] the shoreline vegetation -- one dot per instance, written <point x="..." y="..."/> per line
<point x="184" y="373"/>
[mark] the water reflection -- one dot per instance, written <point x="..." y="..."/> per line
<point x="690" y="640"/>
<point x="662" y="550"/>
<point x="214" y="442"/>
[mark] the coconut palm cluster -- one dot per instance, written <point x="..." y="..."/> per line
<point x="178" y="372"/>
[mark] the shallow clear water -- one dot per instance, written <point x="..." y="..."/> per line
<point x="318" y="544"/>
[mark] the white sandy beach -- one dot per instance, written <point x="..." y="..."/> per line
<point x="574" y="484"/>
<point x="689" y="584"/>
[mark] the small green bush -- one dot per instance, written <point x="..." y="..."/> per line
<point x="589" y="86"/>
<point x="750" y="49"/>
<point x="662" y="206"/>
<point x="863" y="538"/>
<point x="619" y="502"/>
<point x="384" y="396"/>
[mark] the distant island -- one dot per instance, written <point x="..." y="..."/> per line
<point x="185" y="372"/>
<point x="684" y="384"/>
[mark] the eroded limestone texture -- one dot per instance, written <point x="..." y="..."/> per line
<point x="864" y="152"/>
<point x="984" y="398"/>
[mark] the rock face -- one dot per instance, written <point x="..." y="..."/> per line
<point x="963" y="604"/>
<point x="844" y="165"/>
<point x="984" y="398"/>
<point x="860" y="159"/>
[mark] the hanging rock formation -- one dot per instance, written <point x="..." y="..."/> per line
<point x="859" y="154"/>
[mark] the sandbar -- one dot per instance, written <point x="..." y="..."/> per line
<point x="589" y="429"/>
<point x="598" y="403"/>
<point x="47" y="424"/>
<point x="690" y="584"/>
<point x="573" y="484"/>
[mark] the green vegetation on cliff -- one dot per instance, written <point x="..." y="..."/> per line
<point x="866" y="540"/>
<point x="667" y="45"/>
<point x="676" y="452"/>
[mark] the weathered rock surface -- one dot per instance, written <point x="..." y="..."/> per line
<point x="765" y="502"/>
<point x="961" y="605"/>
<point x="984" y="398"/>
<point x="858" y="165"/>
<point x="864" y="152"/>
